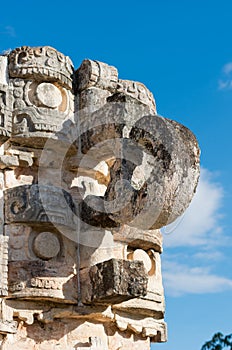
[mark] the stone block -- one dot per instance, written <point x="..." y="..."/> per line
<point x="117" y="280"/>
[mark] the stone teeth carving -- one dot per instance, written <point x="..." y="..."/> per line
<point x="41" y="63"/>
<point x="36" y="204"/>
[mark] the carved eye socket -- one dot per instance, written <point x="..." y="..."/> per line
<point x="51" y="53"/>
<point x="22" y="58"/>
<point x="17" y="207"/>
<point x="49" y="95"/>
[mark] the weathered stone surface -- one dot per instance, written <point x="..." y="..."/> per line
<point x="38" y="95"/>
<point x="88" y="174"/>
<point x="117" y="280"/>
<point x="46" y="245"/>
<point x="41" y="63"/>
<point x="96" y="74"/>
<point x="39" y="115"/>
<point x="138" y="91"/>
<point x="41" y="264"/>
<point x="3" y="70"/>
<point x="2" y="218"/>
<point x="36" y="204"/>
<point x="3" y="265"/>
<point x="134" y="237"/>
<point x="155" y="172"/>
<point x="105" y="78"/>
<point x="148" y="326"/>
<point x="5" y="112"/>
<point x="38" y="279"/>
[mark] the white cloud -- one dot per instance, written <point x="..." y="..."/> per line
<point x="180" y="279"/>
<point x="227" y="68"/>
<point x="200" y="224"/>
<point x="193" y="243"/>
<point x="225" y="83"/>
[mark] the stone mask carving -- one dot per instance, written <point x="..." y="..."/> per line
<point x="89" y="174"/>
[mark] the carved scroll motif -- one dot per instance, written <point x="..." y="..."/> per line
<point x="36" y="204"/>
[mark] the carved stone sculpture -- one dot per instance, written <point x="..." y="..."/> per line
<point x="89" y="173"/>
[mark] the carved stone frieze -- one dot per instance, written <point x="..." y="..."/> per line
<point x="42" y="63"/>
<point x="34" y="204"/>
<point x="138" y="91"/>
<point x="40" y="111"/>
<point x="45" y="279"/>
<point x="3" y="265"/>
<point x="89" y="173"/>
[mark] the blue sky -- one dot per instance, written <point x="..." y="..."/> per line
<point x="181" y="50"/>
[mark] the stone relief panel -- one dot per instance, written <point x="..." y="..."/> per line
<point x="43" y="63"/>
<point x="36" y="204"/>
<point x="89" y="173"/>
<point x="42" y="264"/>
<point x="41" y="88"/>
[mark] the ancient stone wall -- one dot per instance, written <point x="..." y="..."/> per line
<point x="89" y="173"/>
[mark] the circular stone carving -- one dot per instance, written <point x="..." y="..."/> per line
<point x="49" y="95"/>
<point x="46" y="245"/>
<point x="140" y="254"/>
<point x="18" y="206"/>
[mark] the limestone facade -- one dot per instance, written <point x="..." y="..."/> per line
<point x="89" y="173"/>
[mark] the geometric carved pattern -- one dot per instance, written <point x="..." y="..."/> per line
<point x="3" y="265"/>
<point x="44" y="63"/>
